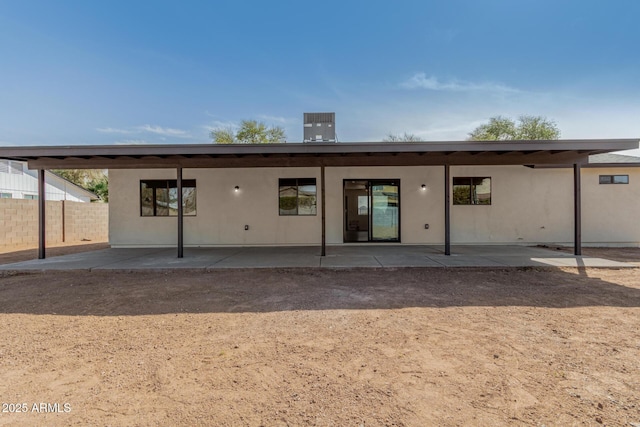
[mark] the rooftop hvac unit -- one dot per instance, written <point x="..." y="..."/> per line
<point x="320" y="127"/>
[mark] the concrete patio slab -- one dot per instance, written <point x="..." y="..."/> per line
<point x="85" y="260"/>
<point x="409" y="260"/>
<point x="505" y="250"/>
<point x="194" y="258"/>
<point x="268" y="261"/>
<point x="525" y="261"/>
<point x="356" y="256"/>
<point x="342" y="261"/>
<point x="586" y="262"/>
<point x="385" y="249"/>
<point x="465" y="261"/>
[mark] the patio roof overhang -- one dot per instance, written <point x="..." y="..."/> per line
<point x="556" y="152"/>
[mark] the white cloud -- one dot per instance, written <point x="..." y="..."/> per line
<point x="219" y="124"/>
<point x="283" y="120"/>
<point x="114" y="130"/>
<point x="450" y="115"/>
<point x="421" y="81"/>
<point x="159" y="130"/>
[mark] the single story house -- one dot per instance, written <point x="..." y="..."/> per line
<point x="526" y="192"/>
<point x="17" y="181"/>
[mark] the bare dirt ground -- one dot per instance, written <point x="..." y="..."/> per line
<point x="414" y="347"/>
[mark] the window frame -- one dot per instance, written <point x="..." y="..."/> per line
<point x="157" y="184"/>
<point x="471" y="185"/>
<point x="298" y="184"/>
<point x="612" y="179"/>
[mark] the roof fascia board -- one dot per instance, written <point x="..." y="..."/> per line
<point x="589" y="166"/>
<point x="435" y="159"/>
<point x="602" y="145"/>
<point x="329" y="154"/>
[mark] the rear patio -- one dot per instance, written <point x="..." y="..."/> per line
<point x="376" y="256"/>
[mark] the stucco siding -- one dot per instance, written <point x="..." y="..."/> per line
<point x="611" y="212"/>
<point x="222" y="213"/>
<point x="528" y="206"/>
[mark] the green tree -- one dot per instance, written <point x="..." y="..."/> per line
<point x="100" y="187"/>
<point x="94" y="180"/>
<point x="250" y="132"/>
<point x="223" y="136"/>
<point x="505" y="129"/>
<point x="407" y="137"/>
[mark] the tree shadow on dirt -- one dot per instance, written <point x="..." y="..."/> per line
<point x="272" y="290"/>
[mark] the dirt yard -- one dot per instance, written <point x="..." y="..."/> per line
<point x="414" y="347"/>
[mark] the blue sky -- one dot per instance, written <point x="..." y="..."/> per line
<point x="117" y="72"/>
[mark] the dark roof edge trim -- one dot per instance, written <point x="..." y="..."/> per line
<point x="594" y="145"/>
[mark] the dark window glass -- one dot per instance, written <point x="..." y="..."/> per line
<point x="472" y="191"/>
<point x="461" y="192"/>
<point x="159" y="197"/>
<point x="189" y="200"/>
<point x="297" y="196"/>
<point x="146" y="199"/>
<point x="605" y="179"/>
<point x="620" y="179"/>
<point x="614" y="179"/>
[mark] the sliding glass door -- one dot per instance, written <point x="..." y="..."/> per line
<point x="371" y="211"/>
<point x="385" y="212"/>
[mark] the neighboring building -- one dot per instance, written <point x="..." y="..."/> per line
<point x="19" y="182"/>
<point x="435" y="193"/>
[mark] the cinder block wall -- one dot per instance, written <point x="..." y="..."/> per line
<point x="19" y="222"/>
<point x="86" y="221"/>
<point x="53" y="223"/>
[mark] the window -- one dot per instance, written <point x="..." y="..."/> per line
<point x="31" y="196"/>
<point x="6" y="196"/>
<point x="614" y="179"/>
<point x="297" y="196"/>
<point x="11" y="166"/>
<point x="159" y="197"/>
<point x="16" y="168"/>
<point x="472" y="191"/>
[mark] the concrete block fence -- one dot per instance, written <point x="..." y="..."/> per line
<point x="66" y="222"/>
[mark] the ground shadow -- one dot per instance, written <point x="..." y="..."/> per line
<point x="271" y="290"/>
<point x="32" y="253"/>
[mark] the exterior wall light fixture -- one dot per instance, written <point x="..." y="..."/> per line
<point x="423" y="187"/>
<point x="236" y="189"/>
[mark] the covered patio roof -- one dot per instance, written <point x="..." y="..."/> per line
<point x="447" y="154"/>
<point x="315" y="154"/>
